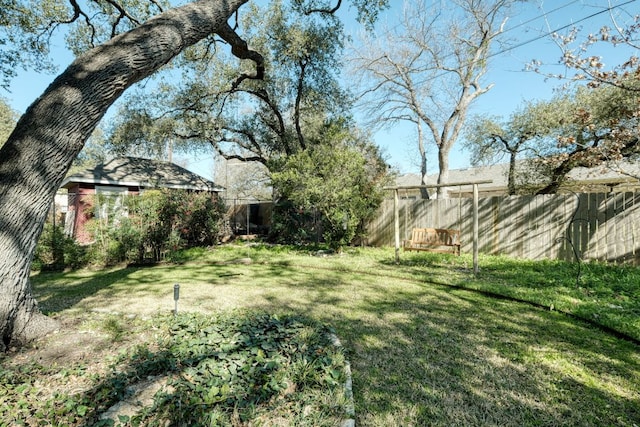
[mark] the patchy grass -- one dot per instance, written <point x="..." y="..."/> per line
<point x="423" y="350"/>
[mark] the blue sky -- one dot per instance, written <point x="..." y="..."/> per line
<point x="512" y="85"/>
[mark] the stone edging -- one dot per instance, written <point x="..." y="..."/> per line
<point x="348" y="388"/>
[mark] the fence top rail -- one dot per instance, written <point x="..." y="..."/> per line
<point x="451" y="184"/>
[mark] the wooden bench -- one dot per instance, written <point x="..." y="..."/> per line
<point x="434" y="240"/>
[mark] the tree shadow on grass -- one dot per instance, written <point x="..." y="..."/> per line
<point x="424" y="354"/>
<point x="56" y="292"/>
<point x="477" y="361"/>
<point x="430" y="355"/>
<point x="225" y="369"/>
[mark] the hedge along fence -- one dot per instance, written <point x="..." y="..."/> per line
<point x="597" y="226"/>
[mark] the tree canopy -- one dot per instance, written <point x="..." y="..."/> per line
<point x="247" y="119"/>
<point x="341" y="176"/>
<point x="297" y="117"/>
<point x="526" y="134"/>
<point x="53" y="130"/>
<point x="584" y="127"/>
<point x="599" y="112"/>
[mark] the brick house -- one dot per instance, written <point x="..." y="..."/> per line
<point x="123" y="176"/>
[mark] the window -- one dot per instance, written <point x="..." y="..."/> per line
<point x="110" y="204"/>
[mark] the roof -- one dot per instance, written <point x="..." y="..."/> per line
<point x="495" y="173"/>
<point x="618" y="173"/>
<point x="145" y="173"/>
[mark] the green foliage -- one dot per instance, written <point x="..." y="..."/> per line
<point x="8" y="119"/>
<point x="56" y="251"/>
<point x="220" y="369"/>
<point x="524" y="133"/>
<point x="294" y="225"/>
<point x="342" y="182"/>
<point x="27" y="27"/>
<point x="253" y="119"/>
<point x="136" y="131"/>
<point x="157" y="221"/>
<point x="23" y="36"/>
<point x="241" y="363"/>
<point x="587" y="127"/>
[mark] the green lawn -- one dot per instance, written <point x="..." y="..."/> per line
<point x="423" y="350"/>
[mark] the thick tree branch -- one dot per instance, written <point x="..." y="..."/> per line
<point x="296" y="112"/>
<point x="53" y="130"/>
<point x="240" y="49"/>
<point x="324" y="10"/>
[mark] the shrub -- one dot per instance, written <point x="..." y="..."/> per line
<point x="158" y="223"/>
<point x="343" y="183"/>
<point x="291" y="225"/>
<point x="55" y="251"/>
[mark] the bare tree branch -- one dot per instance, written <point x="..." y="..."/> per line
<point x="324" y="10"/>
<point x="122" y="14"/>
<point x="431" y="70"/>
<point x="240" y="49"/>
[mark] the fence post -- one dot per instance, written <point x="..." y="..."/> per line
<point x="396" y="224"/>
<point x="475" y="229"/>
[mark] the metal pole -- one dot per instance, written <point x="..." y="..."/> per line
<point x="396" y="224"/>
<point x="176" y="297"/>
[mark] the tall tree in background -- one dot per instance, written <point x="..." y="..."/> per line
<point x="598" y="127"/>
<point x="522" y="136"/>
<point x="586" y="127"/>
<point x="53" y="130"/>
<point x="245" y="119"/>
<point x="603" y="125"/>
<point x="429" y="70"/>
<point x="298" y="111"/>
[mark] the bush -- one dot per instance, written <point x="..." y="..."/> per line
<point x="291" y="225"/>
<point x="342" y="183"/>
<point x="159" y="223"/>
<point x="56" y="252"/>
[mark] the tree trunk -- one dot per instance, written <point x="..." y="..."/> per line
<point x="511" y="175"/>
<point x="424" y="192"/>
<point x="559" y="173"/>
<point x="443" y="175"/>
<point x="53" y="130"/>
<point x="558" y="176"/>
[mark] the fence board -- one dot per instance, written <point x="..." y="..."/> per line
<point x="598" y="226"/>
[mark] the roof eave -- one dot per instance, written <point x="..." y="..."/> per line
<point x="66" y="184"/>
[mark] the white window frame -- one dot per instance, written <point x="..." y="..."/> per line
<point x="119" y="210"/>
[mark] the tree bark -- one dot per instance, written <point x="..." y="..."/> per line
<point x="53" y="130"/>
<point x="424" y="192"/>
<point x="511" y="177"/>
<point x="443" y="174"/>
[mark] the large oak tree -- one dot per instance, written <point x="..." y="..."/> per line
<point x="53" y="130"/>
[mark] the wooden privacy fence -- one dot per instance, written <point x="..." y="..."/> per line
<point x="596" y="226"/>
